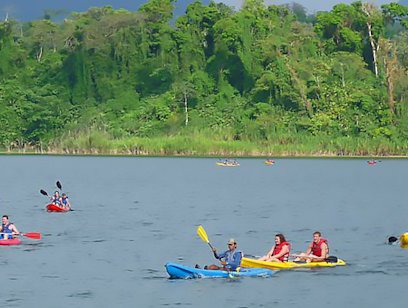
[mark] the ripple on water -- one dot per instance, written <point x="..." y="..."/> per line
<point x="13" y="302"/>
<point x="50" y="276"/>
<point x="94" y="241"/>
<point x="153" y="274"/>
<point x="251" y="232"/>
<point x="370" y="272"/>
<point x="82" y="294"/>
<point x="177" y="304"/>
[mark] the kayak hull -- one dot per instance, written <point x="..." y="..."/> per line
<point x="252" y="263"/>
<point x="178" y="271"/>
<point x="55" y="208"/>
<point x="10" y="242"/>
<point x="227" y="165"/>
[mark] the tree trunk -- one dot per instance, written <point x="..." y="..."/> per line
<point x="39" y="54"/>
<point x="370" y="10"/>
<point x="374" y="49"/>
<point x="186" y="107"/>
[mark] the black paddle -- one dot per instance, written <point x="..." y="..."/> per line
<point x="392" y="239"/>
<point x="331" y="259"/>
<point x="43" y="192"/>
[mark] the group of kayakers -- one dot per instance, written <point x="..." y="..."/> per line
<point x="228" y="162"/>
<point x="317" y="251"/>
<point x="61" y="200"/>
<point x="7" y="230"/>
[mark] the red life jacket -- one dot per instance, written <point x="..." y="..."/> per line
<point x="278" y="249"/>
<point x="317" y="248"/>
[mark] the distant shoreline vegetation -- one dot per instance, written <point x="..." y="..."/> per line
<point x="98" y="143"/>
<point x="262" y="81"/>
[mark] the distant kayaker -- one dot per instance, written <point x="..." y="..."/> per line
<point x="279" y="252"/>
<point x="230" y="259"/>
<point x="65" y="202"/>
<point x="317" y="251"/>
<point x="7" y="229"/>
<point x="56" y="198"/>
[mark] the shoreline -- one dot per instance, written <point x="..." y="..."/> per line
<point x="189" y="155"/>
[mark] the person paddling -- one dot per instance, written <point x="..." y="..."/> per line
<point x="7" y="229"/>
<point x="279" y="252"/>
<point x="317" y="251"/>
<point x="65" y="202"/>
<point x="56" y="198"/>
<point x="230" y="259"/>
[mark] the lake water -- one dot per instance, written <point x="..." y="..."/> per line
<point x="132" y="215"/>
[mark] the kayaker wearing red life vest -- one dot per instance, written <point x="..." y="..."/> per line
<point x="317" y="251"/>
<point x="7" y="229"/>
<point x="279" y="252"/>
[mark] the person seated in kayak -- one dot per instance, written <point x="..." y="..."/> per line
<point x="317" y="251"/>
<point x="56" y="198"/>
<point x="65" y="202"/>
<point x="279" y="252"/>
<point x="230" y="259"/>
<point x="7" y="229"/>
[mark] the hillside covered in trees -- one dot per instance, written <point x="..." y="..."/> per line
<point x="264" y="80"/>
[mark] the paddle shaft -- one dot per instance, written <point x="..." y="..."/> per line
<point x="32" y="235"/>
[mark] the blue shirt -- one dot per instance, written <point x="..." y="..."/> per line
<point x="232" y="258"/>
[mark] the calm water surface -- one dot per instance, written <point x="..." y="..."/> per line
<point x="132" y="215"/>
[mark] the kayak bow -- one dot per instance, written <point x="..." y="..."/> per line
<point x="178" y="271"/>
<point x="10" y="242"/>
<point x="55" y="208"/>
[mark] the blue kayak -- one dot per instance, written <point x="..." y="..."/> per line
<point x="178" y="271"/>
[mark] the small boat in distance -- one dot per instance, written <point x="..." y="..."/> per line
<point x="372" y="162"/>
<point x="269" y="162"/>
<point x="228" y="163"/>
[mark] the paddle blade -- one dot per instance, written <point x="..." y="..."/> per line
<point x="202" y="234"/>
<point x="392" y="239"/>
<point x="43" y="192"/>
<point x="33" y="235"/>
<point x="331" y="259"/>
<point x="59" y="185"/>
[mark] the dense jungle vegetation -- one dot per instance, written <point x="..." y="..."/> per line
<point x="264" y="80"/>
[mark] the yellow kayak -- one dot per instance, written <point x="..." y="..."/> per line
<point x="404" y="239"/>
<point x="247" y="262"/>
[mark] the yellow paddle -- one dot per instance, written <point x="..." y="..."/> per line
<point x="203" y="235"/>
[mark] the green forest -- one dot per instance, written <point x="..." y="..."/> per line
<point x="260" y="81"/>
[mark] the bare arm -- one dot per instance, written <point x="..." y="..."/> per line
<point x="325" y="250"/>
<point x="285" y="250"/>
<point x="270" y="253"/>
<point x="14" y="230"/>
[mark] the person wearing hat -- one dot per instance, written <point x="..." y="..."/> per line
<point x="230" y="259"/>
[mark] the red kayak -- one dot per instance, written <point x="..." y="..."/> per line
<point x="55" y="208"/>
<point x="9" y="242"/>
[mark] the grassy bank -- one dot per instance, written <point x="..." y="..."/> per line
<point x="100" y="143"/>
